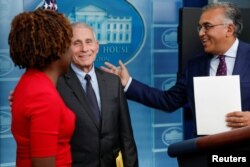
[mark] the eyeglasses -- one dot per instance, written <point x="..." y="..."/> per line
<point x="207" y="27"/>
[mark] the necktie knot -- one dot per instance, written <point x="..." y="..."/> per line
<point x="222" y="58"/>
<point x="87" y="77"/>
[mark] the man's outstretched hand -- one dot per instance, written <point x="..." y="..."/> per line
<point x="121" y="71"/>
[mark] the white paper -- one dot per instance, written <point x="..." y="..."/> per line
<point x="215" y="96"/>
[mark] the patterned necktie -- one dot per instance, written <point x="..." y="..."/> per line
<point x="222" y="67"/>
<point x="92" y="98"/>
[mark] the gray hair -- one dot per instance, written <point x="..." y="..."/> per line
<point x="83" y="25"/>
<point x="232" y="13"/>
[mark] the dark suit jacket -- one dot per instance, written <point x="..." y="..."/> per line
<point x="183" y="92"/>
<point x="94" y="146"/>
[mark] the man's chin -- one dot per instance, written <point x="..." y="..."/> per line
<point x="207" y="50"/>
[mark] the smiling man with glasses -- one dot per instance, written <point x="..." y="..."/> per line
<point x="207" y="26"/>
<point x="218" y="28"/>
<point x="224" y="54"/>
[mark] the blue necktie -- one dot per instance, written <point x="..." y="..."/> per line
<point x="222" y="67"/>
<point x="92" y="98"/>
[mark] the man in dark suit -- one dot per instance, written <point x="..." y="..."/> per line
<point x="219" y="26"/>
<point x="96" y="142"/>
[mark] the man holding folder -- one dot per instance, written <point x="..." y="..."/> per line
<point x="224" y="54"/>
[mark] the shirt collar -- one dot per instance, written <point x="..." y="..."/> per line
<point x="80" y="73"/>
<point x="232" y="51"/>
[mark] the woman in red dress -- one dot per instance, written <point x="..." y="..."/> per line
<point x="42" y="125"/>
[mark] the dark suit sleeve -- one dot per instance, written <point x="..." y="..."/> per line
<point x="169" y="100"/>
<point x="128" y="146"/>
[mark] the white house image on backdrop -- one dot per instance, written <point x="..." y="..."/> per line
<point x="108" y="29"/>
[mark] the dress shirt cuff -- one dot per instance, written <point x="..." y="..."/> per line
<point x="128" y="84"/>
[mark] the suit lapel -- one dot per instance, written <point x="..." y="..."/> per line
<point x="74" y="83"/>
<point x="103" y="94"/>
<point x="242" y="59"/>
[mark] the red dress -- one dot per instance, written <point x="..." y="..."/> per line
<point x="42" y="125"/>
